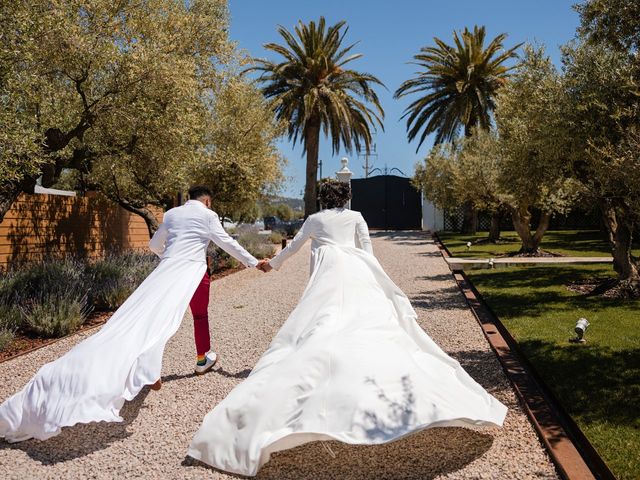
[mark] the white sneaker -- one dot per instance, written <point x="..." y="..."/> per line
<point x="211" y="359"/>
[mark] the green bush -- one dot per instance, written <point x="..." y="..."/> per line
<point x="9" y="313"/>
<point x="9" y="318"/>
<point x="56" y="276"/>
<point x="115" y="277"/>
<point x="276" y="238"/>
<point x="48" y="299"/>
<point x="6" y="337"/>
<point x="54" y="315"/>
<point x="256" y="244"/>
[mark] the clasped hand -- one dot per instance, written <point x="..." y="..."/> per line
<point x="263" y="265"/>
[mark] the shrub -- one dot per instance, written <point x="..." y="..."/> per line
<point x="6" y="336"/>
<point x="55" y="276"/>
<point x="220" y="259"/>
<point x="248" y="236"/>
<point x="48" y="299"/>
<point x="116" y="276"/>
<point x="9" y="313"/>
<point x="55" y="315"/>
<point x="9" y="321"/>
<point x="276" y="238"/>
<point x="256" y="244"/>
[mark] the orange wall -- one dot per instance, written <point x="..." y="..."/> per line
<point x="44" y="226"/>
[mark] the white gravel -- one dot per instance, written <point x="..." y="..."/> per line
<point x="247" y="309"/>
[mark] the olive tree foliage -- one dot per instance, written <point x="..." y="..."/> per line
<point x="612" y="22"/>
<point x="480" y="174"/>
<point x="122" y="92"/>
<point x="602" y="110"/>
<point x="242" y="164"/>
<point x="535" y="168"/>
<point x="436" y="175"/>
<point x="465" y="171"/>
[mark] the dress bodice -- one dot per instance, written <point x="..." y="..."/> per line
<point x="335" y="226"/>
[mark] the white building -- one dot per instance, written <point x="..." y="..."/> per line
<point x="432" y="216"/>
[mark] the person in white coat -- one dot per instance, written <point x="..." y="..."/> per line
<point x="185" y="233"/>
<point x="91" y="382"/>
<point x="350" y="363"/>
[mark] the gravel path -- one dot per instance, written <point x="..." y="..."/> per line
<point x="247" y="309"/>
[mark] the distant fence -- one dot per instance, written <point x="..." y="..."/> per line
<point x="575" y="220"/>
<point x="44" y="226"/>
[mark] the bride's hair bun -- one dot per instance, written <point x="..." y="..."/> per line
<point x="333" y="194"/>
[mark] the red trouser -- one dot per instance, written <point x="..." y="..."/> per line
<point x="199" y="309"/>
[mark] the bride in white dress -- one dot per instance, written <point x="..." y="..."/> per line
<point x="349" y="364"/>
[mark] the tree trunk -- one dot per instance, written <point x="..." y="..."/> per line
<point x="145" y="213"/>
<point x="312" y="143"/>
<point x="521" y="217"/>
<point x="494" y="229"/>
<point x="543" y="226"/>
<point x="620" y="239"/>
<point x="470" y="218"/>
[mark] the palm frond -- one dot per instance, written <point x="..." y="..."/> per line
<point x="456" y="85"/>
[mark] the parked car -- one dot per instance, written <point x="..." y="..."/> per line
<point x="287" y="228"/>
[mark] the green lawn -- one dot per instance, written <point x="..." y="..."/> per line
<point x="578" y="243"/>
<point x="598" y="382"/>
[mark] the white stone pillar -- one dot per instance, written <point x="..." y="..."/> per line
<point x="344" y="174"/>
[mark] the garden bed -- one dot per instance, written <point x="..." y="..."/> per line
<point x="24" y="343"/>
<point x="42" y="303"/>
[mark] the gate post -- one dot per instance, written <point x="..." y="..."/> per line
<point x="344" y="174"/>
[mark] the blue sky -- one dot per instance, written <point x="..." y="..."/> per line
<point x="390" y="33"/>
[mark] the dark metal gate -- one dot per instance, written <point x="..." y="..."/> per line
<point x="387" y="202"/>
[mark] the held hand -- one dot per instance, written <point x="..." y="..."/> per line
<point x="264" y="266"/>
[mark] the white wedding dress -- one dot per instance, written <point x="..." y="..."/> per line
<point x="349" y="364"/>
<point x="91" y="382"/>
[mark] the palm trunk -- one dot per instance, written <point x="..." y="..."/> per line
<point x="620" y="238"/>
<point x="312" y="143"/>
<point x="470" y="213"/>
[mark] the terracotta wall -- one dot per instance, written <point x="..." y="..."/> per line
<point x="43" y="226"/>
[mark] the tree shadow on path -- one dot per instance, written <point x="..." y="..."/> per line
<point x="82" y="439"/>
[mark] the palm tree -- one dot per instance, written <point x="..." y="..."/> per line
<point x="460" y="82"/>
<point x="312" y="90"/>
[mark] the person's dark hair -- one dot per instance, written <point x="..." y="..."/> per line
<point x="199" y="191"/>
<point x="334" y="194"/>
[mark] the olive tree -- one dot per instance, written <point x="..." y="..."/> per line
<point x="465" y="171"/>
<point x="602" y="109"/>
<point x="118" y="91"/>
<point x="535" y="167"/>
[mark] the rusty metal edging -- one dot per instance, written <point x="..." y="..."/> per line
<point x="570" y="450"/>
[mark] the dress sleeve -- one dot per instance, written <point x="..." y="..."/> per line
<point x="301" y="237"/>
<point x="363" y="241"/>
<point x="157" y="242"/>
<point x="221" y="238"/>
